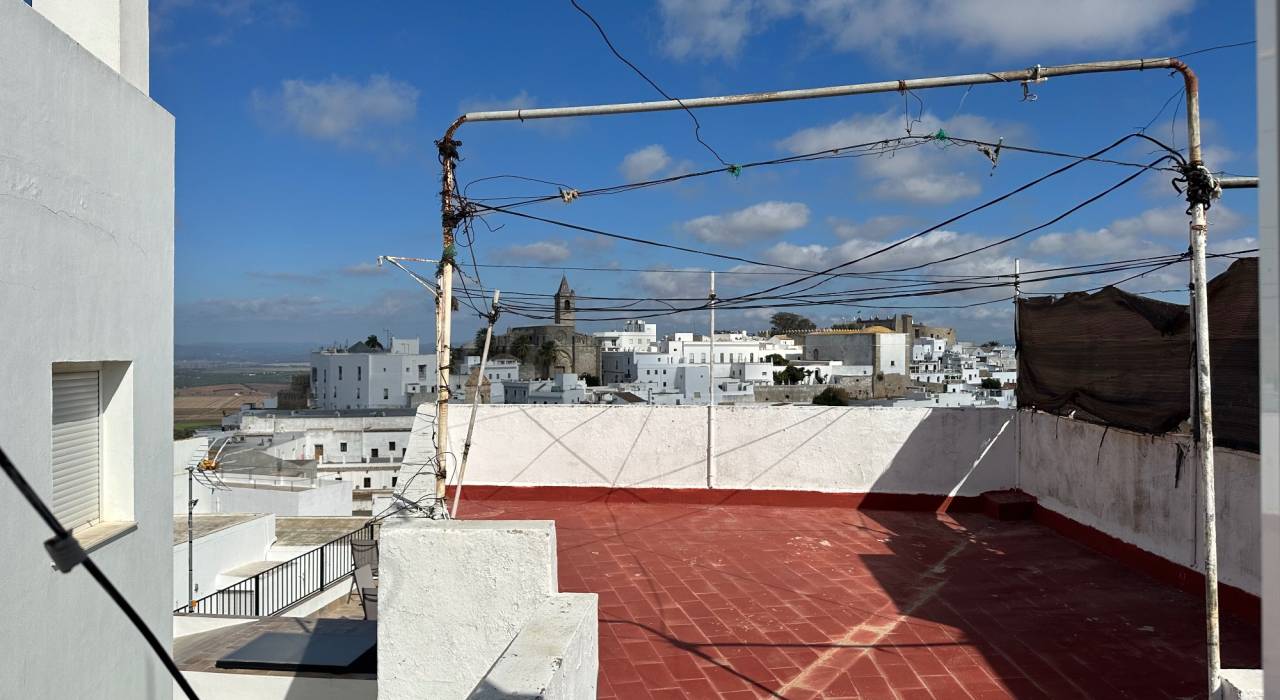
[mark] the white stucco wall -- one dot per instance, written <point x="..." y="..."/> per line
<point x="86" y="230"/>
<point x="816" y="448"/>
<point x="555" y="656"/>
<point x="1124" y="485"/>
<point x="465" y="586"/>
<point x="322" y="496"/>
<point x="219" y="551"/>
<point x="115" y="31"/>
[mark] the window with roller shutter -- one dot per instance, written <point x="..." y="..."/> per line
<point x="76" y="448"/>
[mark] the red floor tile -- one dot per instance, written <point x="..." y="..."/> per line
<point x="740" y="601"/>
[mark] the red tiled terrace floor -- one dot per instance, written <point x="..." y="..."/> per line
<point x="755" y="601"/>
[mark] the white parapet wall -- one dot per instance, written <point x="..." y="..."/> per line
<point x="234" y="494"/>
<point x="219" y="551"/>
<point x="809" y="448"/>
<point x="554" y="657"/>
<point x="1129" y="485"/>
<point x="472" y="588"/>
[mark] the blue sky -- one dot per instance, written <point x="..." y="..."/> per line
<point x="305" y="149"/>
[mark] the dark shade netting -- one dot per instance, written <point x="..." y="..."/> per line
<point x="1125" y="360"/>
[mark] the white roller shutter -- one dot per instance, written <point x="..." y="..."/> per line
<point x="76" y="452"/>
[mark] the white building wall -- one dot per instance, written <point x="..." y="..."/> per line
<point x="342" y="380"/>
<point x="220" y="551"/>
<point x="114" y="31"/>
<point x="86" y="230"/>
<point x="894" y="353"/>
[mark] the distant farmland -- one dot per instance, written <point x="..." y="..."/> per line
<point x="184" y="377"/>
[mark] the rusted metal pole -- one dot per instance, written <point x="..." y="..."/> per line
<point x="448" y="148"/>
<point x="1198" y="194"/>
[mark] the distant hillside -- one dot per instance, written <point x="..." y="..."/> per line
<point x="251" y="353"/>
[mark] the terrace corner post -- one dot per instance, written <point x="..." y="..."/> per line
<point x="449" y="219"/>
<point x="1200" y="190"/>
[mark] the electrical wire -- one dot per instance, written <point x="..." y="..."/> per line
<point x="989" y="203"/>
<point x="860" y="150"/>
<point x="1216" y="48"/>
<point x="1144" y="265"/>
<point x="697" y="125"/>
<point x="60" y="534"/>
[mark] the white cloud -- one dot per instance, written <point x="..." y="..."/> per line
<point x="364" y="269"/>
<point x="1094" y="244"/>
<point x="676" y="283"/>
<point x="342" y="111"/>
<point x="877" y="227"/>
<point x="705" y="28"/>
<point x="924" y="173"/>
<point x="521" y="100"/>
<point x="223" y="18"/>
<point x="540" y="252"/>
<point x="287" y="277"/>
<point x="1153" y="232"/>
<point x="644" y="163"/>
<point x="757" y="222"/>
<point x="891" y="28"/>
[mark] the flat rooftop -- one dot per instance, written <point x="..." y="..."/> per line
<point x="762" y="601"/>
<point x="208" y="523"/>
<point x="298" y="530"/>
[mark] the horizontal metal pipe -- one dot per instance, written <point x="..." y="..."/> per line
<point x="1013" y="76"/>
<point x="1237" y="183"/>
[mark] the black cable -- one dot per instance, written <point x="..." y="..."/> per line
<point x="1153" y="264"/>
<point x="60" y="537"/>
<point x="697" y="126"/>
<point x="967" y="212"/>
<point x="870" y="148"/>
<point x="632" y="239"/>
<point x="1216" y="48"/>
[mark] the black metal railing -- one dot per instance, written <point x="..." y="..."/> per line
<point x="288" y="583"/>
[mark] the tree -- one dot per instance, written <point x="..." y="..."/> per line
<point x="785" y="321"/>
<point x="373" y="342"/>
<point x="789" y="375"/>
<point x="776" y="359"/>
<point x="831" y="396"/>
<point x="548" y="353"/>
<point x="478" y="341"/>
<point x="520" y="347"/>
<point x="991" y="383"/>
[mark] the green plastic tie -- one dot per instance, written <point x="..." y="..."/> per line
<point x="735" y="170"/>
<point x="940" y="136"/>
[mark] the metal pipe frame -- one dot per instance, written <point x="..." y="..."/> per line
<point x="1026" y="77"/>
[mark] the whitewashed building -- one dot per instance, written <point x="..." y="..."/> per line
<point x="361" y="376"/>
<point x="86" y="259"/>
<point x="564" y="388"/>
<point x="635" y="335"/>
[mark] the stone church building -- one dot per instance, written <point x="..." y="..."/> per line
<point x="575" y="352"/>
